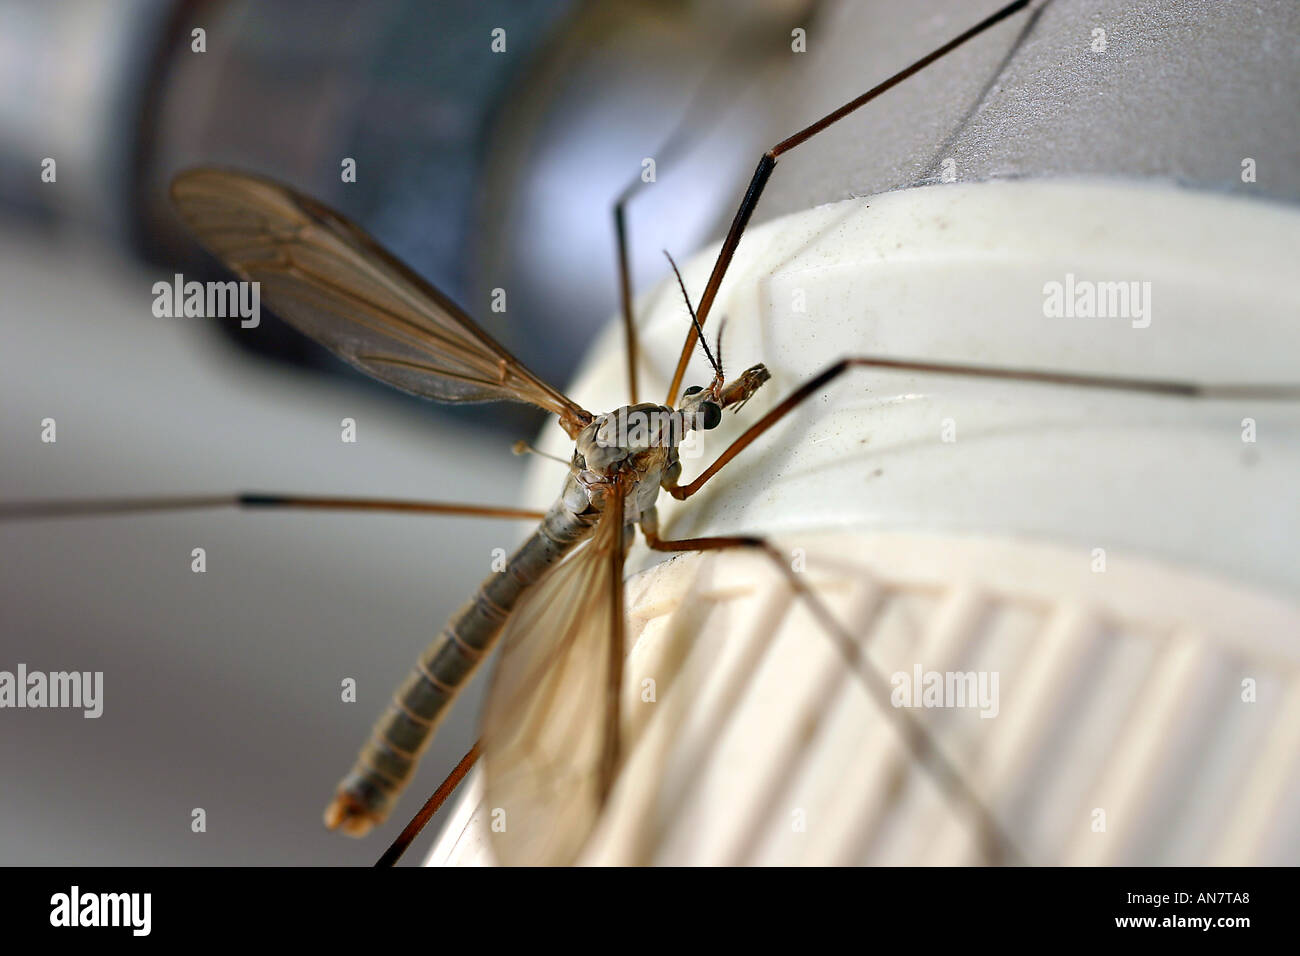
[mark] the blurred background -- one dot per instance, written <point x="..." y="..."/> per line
<point x="483" y="170"/>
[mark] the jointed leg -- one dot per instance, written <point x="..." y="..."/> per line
<point x="1263" y="392"/>
<point x="916" y="737"/>
<point x="431" y="806"/>
<point x="611" y="752"/>
<point x="90" y="507"/>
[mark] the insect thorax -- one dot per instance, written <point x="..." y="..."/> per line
<point x="638" y="442"/>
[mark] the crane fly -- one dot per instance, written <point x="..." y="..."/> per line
<point x="550" y="731"/>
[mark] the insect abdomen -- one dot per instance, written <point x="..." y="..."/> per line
<point x="389" y="757"/>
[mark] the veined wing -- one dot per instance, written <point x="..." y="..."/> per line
<point x="323" y="275"/>
<point x="550" y="729"/>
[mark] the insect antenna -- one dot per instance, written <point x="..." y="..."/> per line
<point x="717" y="366"/>
<point x="722" y="324"/>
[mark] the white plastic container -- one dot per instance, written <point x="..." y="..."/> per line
<point x="1126" y="565"/>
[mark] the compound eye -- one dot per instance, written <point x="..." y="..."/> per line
<point x="694" y="389"/>
<point x="712" y="413"/>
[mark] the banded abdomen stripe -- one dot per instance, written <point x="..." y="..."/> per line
<point x="389" y="757"/>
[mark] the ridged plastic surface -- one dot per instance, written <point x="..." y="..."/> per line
<point x="1120" y="692"/>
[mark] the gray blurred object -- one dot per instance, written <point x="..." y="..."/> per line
<point x="72" y="80"/>
<point x="684" y="85"/>
<point x="482" y="170"/>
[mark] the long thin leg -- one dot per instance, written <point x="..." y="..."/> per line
<point x="431" y="806"/>
<point x="918" y="739"/>
<point x="1264" y="392"/>
<point x="768" y="162"/>
<point x="617" y="625"/>
<point x="91" y="507"/>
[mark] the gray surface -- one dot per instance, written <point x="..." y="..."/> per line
<point x="1185" y="90"/>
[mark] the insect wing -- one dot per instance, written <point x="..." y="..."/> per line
<point x="550" y="727"/>
<point x="327" y="278"/>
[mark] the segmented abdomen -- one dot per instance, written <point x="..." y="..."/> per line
<point x="389" y="757"/>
